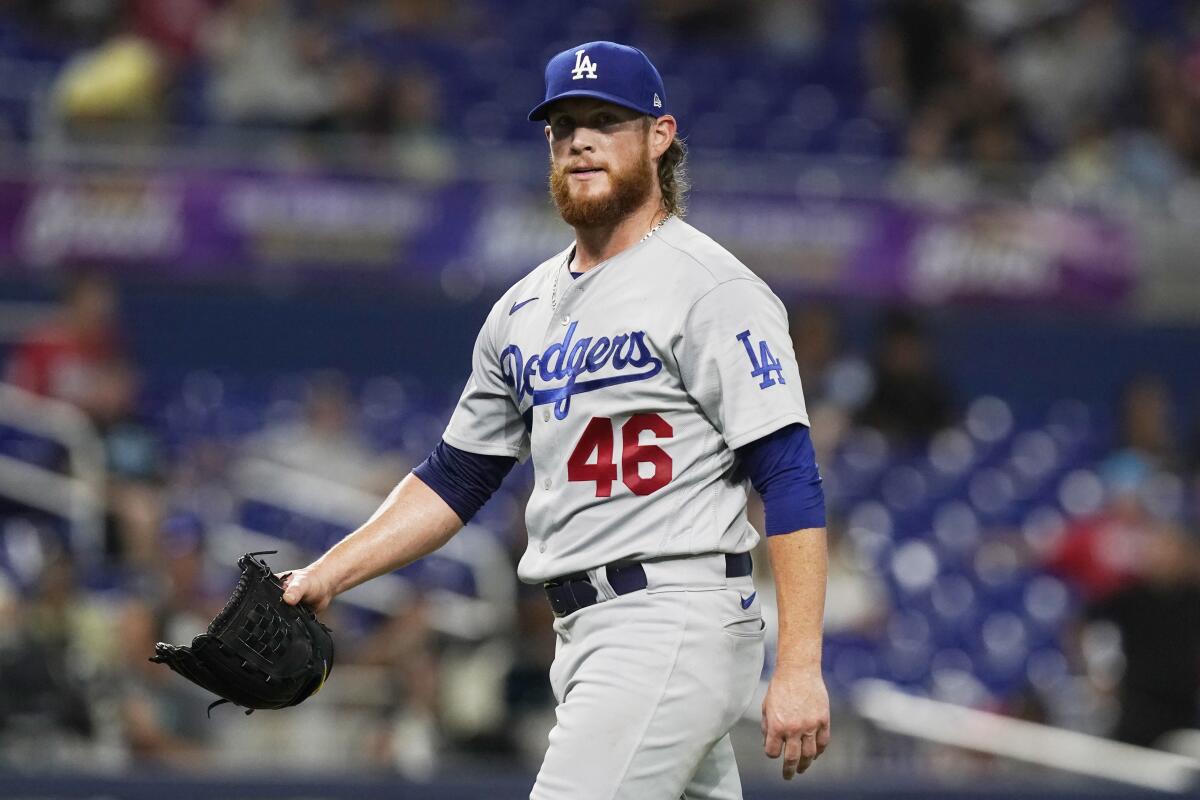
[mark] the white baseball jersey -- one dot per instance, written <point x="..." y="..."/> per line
<point x="630" y="387"/>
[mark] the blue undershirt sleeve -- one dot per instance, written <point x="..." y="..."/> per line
<point x="782" y="467"/>
<point x="463" y="479"/>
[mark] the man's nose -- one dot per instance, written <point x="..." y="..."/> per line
<point x="582" y="140"/>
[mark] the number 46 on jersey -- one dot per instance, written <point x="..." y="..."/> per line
<point x="593" y="460"/>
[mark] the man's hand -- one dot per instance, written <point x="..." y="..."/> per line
<point x="795" y="719"/>
<point x="307" y="586"/>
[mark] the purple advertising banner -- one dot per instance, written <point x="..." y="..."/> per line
<point x="231" y="225"/>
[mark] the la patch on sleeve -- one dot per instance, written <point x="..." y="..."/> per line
<point x="763" y="363"/>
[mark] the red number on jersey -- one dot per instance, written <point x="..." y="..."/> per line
<point x="634" y="453"/>
<point x="597" y="437"/>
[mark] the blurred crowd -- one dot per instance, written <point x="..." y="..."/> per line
<point x="964" y="93"/>
<point x="412" y="694"/>
<point x="1108" y="100"/>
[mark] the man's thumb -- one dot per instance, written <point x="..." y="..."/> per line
<point x="291" y="595"/>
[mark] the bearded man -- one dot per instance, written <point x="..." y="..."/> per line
<point x="650" y="376"/>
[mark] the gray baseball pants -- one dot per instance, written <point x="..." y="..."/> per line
<point x="649" y="685"/>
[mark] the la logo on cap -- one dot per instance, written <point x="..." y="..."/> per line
<point x="584" y="68"/>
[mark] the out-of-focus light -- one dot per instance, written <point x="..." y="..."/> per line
<point x="1004" y="636"/>
<point x="996" y="563"/>
<point x="1042" y="528"/>
<point x="953" y="597"/>
<point x="1047" y="670"/>
<point x="1046" y="600"/>
<point x="1034" y="454"/>
<point x="869" y="516"/>
<point x="914" y="566"/>
<point x="991" y="490"/>
<point x="989" y="419"/>
<point x="956" y="527"/>
<point x="1081" y="493"/>
<point x="903" y="487"/>
<point x="951" y="451"/>
<point x="864" y="450"/>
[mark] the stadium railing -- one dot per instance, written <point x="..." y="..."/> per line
<point x="485" y="606"/>
<point x="76" y="495"/>
<point x="1029" y="742"/>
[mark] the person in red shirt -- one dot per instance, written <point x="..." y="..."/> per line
<point x="62" y="357"/>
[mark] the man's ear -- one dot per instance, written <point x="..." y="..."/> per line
<point x="662" y="133"/>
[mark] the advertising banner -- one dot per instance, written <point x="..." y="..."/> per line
<point x="465" y="236"/>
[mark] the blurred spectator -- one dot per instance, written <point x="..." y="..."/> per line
<point x="419" y="146"/>
<point x="1090" y="161"/>
<point x="527" y="694"/>
<point x="324" y="441"/>
<point x="78" y="357"/>
<point x="84" y="24"/>
<point x="788" y="28"/>
<point x="174" y="26"/>
<point x="122" y="80"/>
<point x="995" y="148"/>
<point x="183" y="589"/>
<point x="1147" y="425"/>
<point x="136" y="466"/>
<point x="856" y="599"/>
<point x="701" y="19"/>
<point x="836" y="382"/>
<point x="1104" y="552"/>
<point x="363" y="101"/>
<point x="63" y="357"/>
<point x="409" y="738"/>
<point x="1163" y="143"/>
<point x="910" y="398"/>
<point x="162" y="718"/>
<point x="918" y="48"/>
<point x="399" y="25"/>
<point x="1159" y="621"/>
<point x="1071" y="68"/>
<point x="927" y="175"/>
<point x="59" y="643"/>
<point x="267" y="67"/>
<point x="131" y="445"/>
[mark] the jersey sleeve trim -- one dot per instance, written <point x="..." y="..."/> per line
<point x="759" y="431"/>
<point x="482" y="448"/>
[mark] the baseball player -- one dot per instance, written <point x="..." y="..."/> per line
<point x="650" y="377"/>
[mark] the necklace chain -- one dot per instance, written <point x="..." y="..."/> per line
<point x="651" y="232"/>
<point x="558" y="272"/>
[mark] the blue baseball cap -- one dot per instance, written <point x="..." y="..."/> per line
<point x="608" y="71"/>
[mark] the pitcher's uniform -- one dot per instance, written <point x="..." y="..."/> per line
<point x="630" y="387"/>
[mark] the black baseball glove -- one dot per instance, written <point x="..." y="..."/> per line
<point x="259" y="652"/>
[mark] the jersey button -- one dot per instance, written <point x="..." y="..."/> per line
<point x="546" y="483"/>
<point x="542" y="547"/>
<point x="566" y="320"/>
<point x="545" y="415"/>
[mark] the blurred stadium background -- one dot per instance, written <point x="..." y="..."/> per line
<point x="245" y="247"/>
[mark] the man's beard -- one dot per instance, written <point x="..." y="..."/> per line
<point x="629" y="190"/>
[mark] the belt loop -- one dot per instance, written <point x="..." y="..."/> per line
<point x="599" y="579"/>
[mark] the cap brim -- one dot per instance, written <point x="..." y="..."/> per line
<point x="539" y="111"/>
